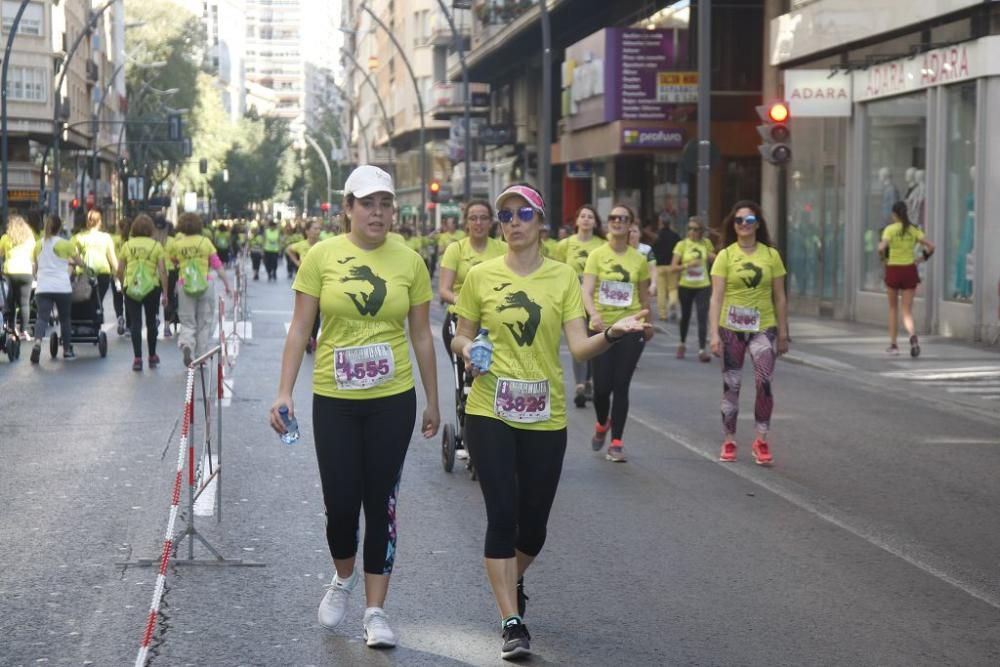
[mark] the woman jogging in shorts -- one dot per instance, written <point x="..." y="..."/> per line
<point x="899" y="240"/>
<point x="516" y="412"/>
<point x="691" y="258"/>
<point x="369" y="291"/>
<point x="615" y="287"/>
<point x="459" y="257"/>
<point x="748" y="313"/>
<point x="143" y="278"/>
<point x="574" y="250"/>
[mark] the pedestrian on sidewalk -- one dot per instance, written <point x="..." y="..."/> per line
<point x="748" y="313"/>
<point x="899" y="241"/>
<point x="53" y="259"/>
<point x="369" y="291"/>
<point x="143" y="277"/>
<point x="17" y="247"/>
<point x="574" y="250"/>
<point x="516" y="412"/>
<point x="196" y="259"/>
<point x="691" y="258"/>
<point x="615" y="287"/>
<point x="256" y="244"/>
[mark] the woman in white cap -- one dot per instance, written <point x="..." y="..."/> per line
<point x="516" y="411"/>
<point x="364" y="405"/>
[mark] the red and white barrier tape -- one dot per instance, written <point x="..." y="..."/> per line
<point x="168" y="541"/>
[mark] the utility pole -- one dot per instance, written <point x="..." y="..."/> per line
<point x="3" y="112"/>
<point x="544" y="155"/>
<point x="466" y="103"/>
<point x="704" y="107"/>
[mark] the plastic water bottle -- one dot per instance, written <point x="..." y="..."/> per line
<point x="291" y="434"/>
<point x="481" y="352"/>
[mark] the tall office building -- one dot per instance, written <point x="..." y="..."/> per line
<point x="225" y="35"/>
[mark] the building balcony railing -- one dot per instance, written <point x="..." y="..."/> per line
<point x="492" y="12"/>
<point x="441" y="34"/>
<point x="448" y="100"/>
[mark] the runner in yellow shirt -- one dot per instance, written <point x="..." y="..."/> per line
<point x="691" y="257"/>
<point x="98" y="251"/>
<point x="899" y="240"/>
<point x="17" y="247"/>
<point x="615" y="287"/>
<point x="516" y="411"/>
<point x="748" y="313"/>
<point x="370" y="292"/>
<point x="143" y="277"/>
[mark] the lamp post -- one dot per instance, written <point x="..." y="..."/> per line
<point x="326" y="165"/>
<point x="466" y="116"/>
<point x="3" y="111"/>
<point x="545" y="157"/>
<point x="371" y="84"/>
<point x="420" y="104"/>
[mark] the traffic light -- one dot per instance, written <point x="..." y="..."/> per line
<point x="203" y="166"/>
<point x="435" y="189"/>
<point x="75" y="204"/>
<point x="776" y="148"/>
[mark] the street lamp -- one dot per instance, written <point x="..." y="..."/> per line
<point x="466" y="115"/>
<point x="371" y="84"/>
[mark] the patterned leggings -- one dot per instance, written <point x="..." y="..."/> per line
<point x="763" y="354"/>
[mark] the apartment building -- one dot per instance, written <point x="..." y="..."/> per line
<point x="226" y="36"/>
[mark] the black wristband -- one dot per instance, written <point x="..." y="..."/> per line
<point x="927" y="255"/>
<point x="611" y="341"/>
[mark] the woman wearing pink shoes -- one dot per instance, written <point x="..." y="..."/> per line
<point x="748" y="313"/>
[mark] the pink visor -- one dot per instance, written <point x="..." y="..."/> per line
<point x="532" y="196"/>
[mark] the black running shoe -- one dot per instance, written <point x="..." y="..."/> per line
<point x="522" y="599"/>
<point x="516" y="641"/>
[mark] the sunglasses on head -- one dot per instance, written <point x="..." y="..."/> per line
<point x="524" y="214"/>
<point x="614" y="217"/>
<point x="745" y="220"/>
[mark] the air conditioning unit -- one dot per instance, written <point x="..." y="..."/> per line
<point x="92" y="72"/>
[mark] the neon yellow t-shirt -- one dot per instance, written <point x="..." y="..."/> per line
<point x="616" y="290"/>
<point x="301" y="248"/>
<point x="571" y="250"/>
<point x="62" y="249"/>
<point x="256" y="243"/>
<point x="690" y="251"/>
<point x="272" y="240"/>
<point x="444" y="239"/>
<point x="901" y="245"/>
<point x="17" y="259"/>
<point x="168" y="251"/>
<point x="395" y="236"/>
<point x="364" y="297"/>
<point x="141" y="250"/>
<point x="461" y="256"/>
<point x="524" y="316"/>
<point x="199" y="249"/>
<point x="548" y="247"/>
<point x="749" y="285"/>
<point x="94" y="246"/>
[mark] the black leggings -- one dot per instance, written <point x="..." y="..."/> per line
<point x="271" y="264"/>
<point x="699" y="297"/>
<point x="45" y="301"/>
<point x="447" y="337"/>
<point x="360" y="447"/>
<point x="118" y="299"/>
<point x="613" y="375"/>
<point x="19" y="299"/>
<point x="518" y="473"/>
<point x="170" y="313"/>
<point x="255" y="258"/>
<point x="151" y="305"/>
<point x="103" y="283"/>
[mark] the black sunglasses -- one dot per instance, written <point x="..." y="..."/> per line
<point x="524" y="214"/>
<point x="616" y="218"/>
<point x="745" y="220"/>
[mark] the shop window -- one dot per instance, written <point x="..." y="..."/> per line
<point x="960" y="205"/>
<point x="897" y="144"/>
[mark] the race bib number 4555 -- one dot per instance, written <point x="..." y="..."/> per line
<point x="364" y="366"/>
<point x="524" y="401"/>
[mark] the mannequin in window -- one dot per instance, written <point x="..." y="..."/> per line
<point x="966" y="242"/>
<point x="890" y="194"/>
<point x="911" y="180"/>
<point x="915" y="199"/>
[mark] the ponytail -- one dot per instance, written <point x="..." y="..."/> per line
<point x="900" y="212"/>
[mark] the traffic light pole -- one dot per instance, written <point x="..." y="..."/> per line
<point x="704" y="107"/>
<point x="3" y="111"/>
<point x="545" y="156"/>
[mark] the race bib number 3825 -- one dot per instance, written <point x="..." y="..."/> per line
<point x="363" y="366"/>
<point x="524" y="401"/>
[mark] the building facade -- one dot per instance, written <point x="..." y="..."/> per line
<point x="899" y="102"/>
<point x="226" y="34"/>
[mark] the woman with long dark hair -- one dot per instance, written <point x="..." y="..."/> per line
<point x="899" y="240"/>
<point x="748" y="313"/>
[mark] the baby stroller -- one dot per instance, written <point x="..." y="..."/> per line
<point x="452" y="437"/>
<point x="10" y="343"/>
<point x="86" y="317"/>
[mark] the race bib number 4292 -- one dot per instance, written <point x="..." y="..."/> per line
<point x="524" y="401"/>
<point x="363" y="366"/>
<point x="614" y="293"/>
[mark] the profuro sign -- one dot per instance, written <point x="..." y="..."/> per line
<point x="652" y="137"/>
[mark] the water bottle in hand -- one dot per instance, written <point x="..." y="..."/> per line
<point x="481" y="352"/>
<point x="291" y="434"/>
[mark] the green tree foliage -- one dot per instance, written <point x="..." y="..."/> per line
<point x="259" y="165"/>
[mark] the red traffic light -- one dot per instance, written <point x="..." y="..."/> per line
<point x="75" y="204"/>
<point x="778" y="112"/>
<point x="435" y="187"/>
<point x="325" y="206"/>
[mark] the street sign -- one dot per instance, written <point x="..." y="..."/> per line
<point x="174" y="127"/>
<point x="496" y="135"/>
<point x="186" y="147"/>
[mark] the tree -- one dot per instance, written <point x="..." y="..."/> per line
<point x="258" y="165"/>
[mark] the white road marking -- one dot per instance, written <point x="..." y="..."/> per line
<point x="830" y="515"/>
<point x="967" y="373"/>
<point x="227" y="392"/>
<point x="205" y="504"/>
<point x="946" y="440"/>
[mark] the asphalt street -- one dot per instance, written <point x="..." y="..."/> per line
<point x="872" y="541"/>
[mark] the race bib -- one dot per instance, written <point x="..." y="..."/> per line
<point x="696" y="274"/>
<point x="743" y="319"/>
<point x="614" y="293"/>
<point x="524" y="401"/>
<point x="364" y="366"/>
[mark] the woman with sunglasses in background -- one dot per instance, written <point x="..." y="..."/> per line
<point x="690" y="259"/>
<point x="615" y="287"/>
<point x="748" y="313"/>
<point x="574" y="250"/>
<point x="459" y="257"/>
<point x="516" y="411"/>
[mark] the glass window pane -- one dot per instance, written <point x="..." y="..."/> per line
<point x="897" y="147"/>
<point x="960" y="206"/>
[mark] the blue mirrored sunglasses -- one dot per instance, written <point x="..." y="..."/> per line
<point x="524" y="214"/>
<point x="745" y="220"/>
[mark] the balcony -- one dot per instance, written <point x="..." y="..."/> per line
<point x="448" y="100"/>
<point x="441" y="34"/>
<point x="493" y="12"/>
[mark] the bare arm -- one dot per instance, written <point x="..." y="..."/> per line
<point x="584" y="347"/>
<point x="589" y="281"/>
<point x="464" y="333"/>
<point x="446" y="285"/>
<point x="423" y="350"/>
<point x="675" y="264"/>
<point x="714" y="311"/>
<point x="303" y="316"/>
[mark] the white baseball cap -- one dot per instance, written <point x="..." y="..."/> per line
<point x="368" y="179"/>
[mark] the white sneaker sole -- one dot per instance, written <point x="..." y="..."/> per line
<point x="374" y="642"/>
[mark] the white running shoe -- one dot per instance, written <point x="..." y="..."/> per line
<point x="333" y="606"/>
<point x="462" y="454"/>
<point x="378" y="634"/>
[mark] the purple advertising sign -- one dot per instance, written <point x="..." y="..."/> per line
<point x="652" y="137"/>
<point x="635" y="59"/>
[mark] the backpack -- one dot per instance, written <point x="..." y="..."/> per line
<point x="142" y="282"/>
<point x="195" y="283"/>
